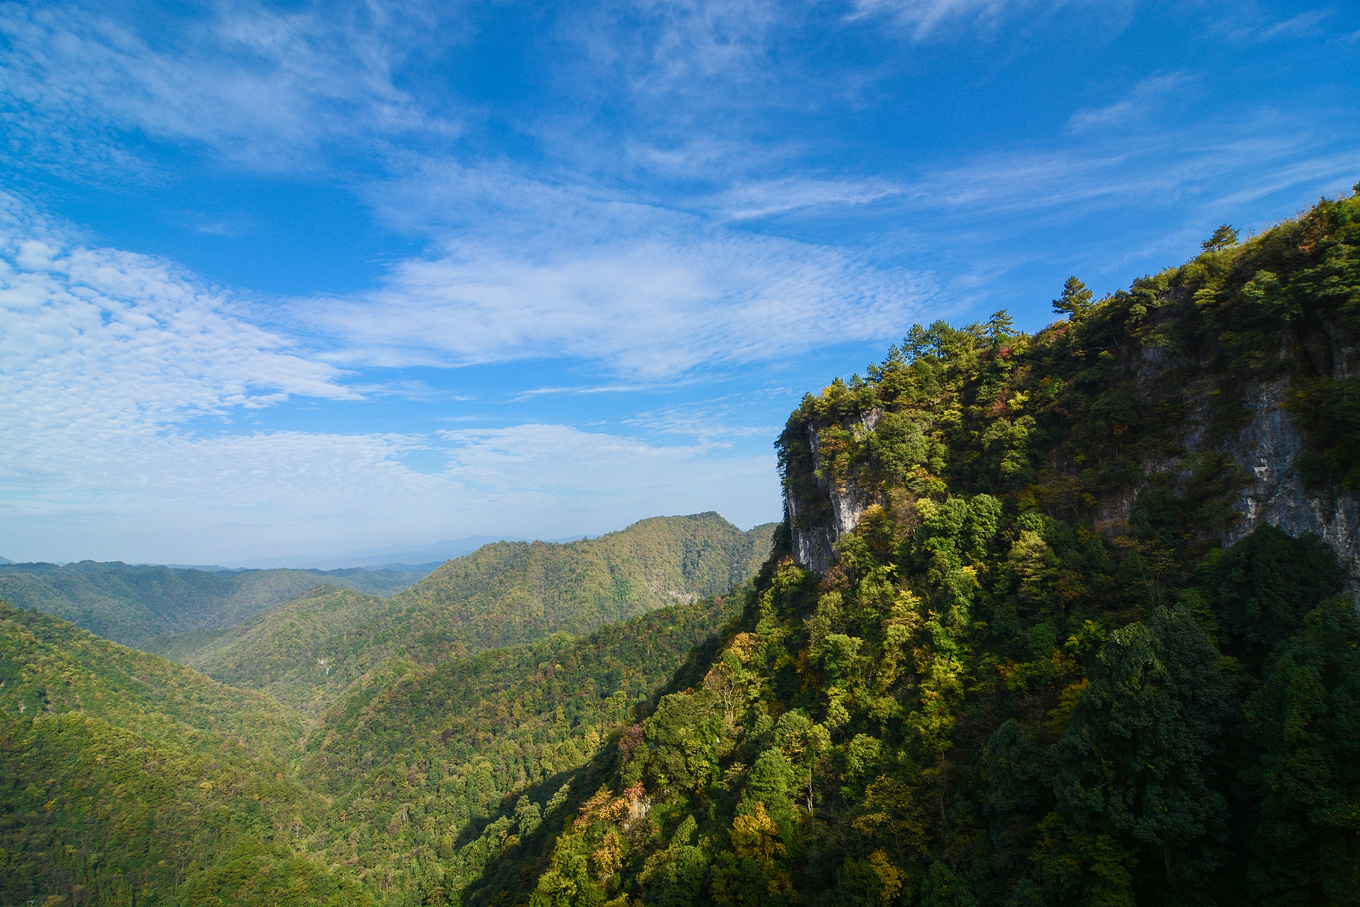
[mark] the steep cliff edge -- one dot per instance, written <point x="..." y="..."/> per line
<point x="1228" y="384"/>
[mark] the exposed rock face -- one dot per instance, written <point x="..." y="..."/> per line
<point x="1266" y="449"/>
<point x="814" y="547"/>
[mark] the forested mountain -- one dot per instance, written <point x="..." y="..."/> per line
<point x="444" y="774"/>
<point x="1053" y="619"/>
<point x="136" y="604"/>
<point x="503" y="594"/>
<point x="1025" y="670"/>
<point x="105" y="744"/>
<point x="125" y="778"/>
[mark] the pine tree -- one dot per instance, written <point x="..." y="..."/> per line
<point x="1075" y="301"/>
<point x="1223" y="237"/>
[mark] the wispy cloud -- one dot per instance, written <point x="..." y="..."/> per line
<point x="1144" y="99"/>
<point x="923" y="18"/>
<point x="719" y="421"/>
<point x="257" y="85"/>
<point x="1305" y="23"/>
<point x="1153" y="167"/>
<point x="589" y="390"/>
<point x="760" y="199"/>
<point x="651" y="308"/>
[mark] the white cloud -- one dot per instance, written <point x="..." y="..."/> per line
<point x="651" y="308"/>
<point x="760" y="199"/>
<point x="1305" y="23"/>
<point x="1158" y="167"/>
<point x="123" y="385"/>
<point x="575" y="471"/>
<point x="261" y="86"/>
<point x="719" y="421"/>
<point x="924" y="16"/>
<point x="527" y="269"/>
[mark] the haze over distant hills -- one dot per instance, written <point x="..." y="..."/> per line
<point x="430" y="554"/>
<point x="133" y="604"/>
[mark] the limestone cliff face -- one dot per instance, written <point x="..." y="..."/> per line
<point x="1265" y="450"/>
<point x="814" y="538"/>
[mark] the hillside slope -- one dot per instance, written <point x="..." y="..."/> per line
<point x="284" y="652"/>
<point x="502" y="594"/>
<point x="446" y="772"/>
<point x="1001" y="656"/>
<point x="123" y="775"/>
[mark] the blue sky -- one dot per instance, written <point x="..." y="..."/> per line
<point x="291" y="279"/>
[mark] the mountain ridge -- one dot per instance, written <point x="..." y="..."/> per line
<point x="505" y="593"/>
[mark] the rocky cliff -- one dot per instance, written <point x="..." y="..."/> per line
<point x="814" y="531"/>
<point x="1230" y="382"/>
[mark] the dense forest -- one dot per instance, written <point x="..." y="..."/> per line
<point x="129" y="778"/>
<point x="122" y="774"/>
<point x="1045" y="624"/>
<point x="1029" y="673"/>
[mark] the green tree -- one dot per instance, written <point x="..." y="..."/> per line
<point x="1138" y="757"/>
<point x="1223" y="237"/>
<point x="1075" y="301"/>
<point x="1262" y="587"/>
<point x="1306" y="722"/>
<point x="772" y="783"/>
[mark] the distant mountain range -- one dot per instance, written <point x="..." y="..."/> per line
<point x="307" y="651"/>
<point x="134" y="604"/>
<point x="390" y="556"/>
